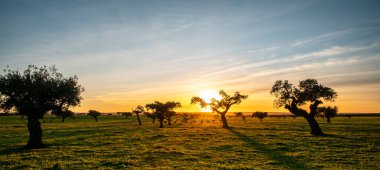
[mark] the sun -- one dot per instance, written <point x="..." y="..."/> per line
<point x="207" y="95"/>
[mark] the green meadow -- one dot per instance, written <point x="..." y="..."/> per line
<point x="116" y="142"/>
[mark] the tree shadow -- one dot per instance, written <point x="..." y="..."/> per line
<point x="14" y="151"/>
<point x="276" y="155"/>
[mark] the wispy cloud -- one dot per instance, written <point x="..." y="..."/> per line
<point x="333" y="51"/>
<point x="322" y="37"/>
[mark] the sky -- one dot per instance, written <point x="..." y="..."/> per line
<point x="127" y="53"/>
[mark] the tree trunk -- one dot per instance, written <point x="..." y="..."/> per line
<point x="35" y="134"/>
<point x="138" y="119"/>
<point x="169" y="121"/>
<point x="328" y="119"/>
<point x="63" y="119"/>
<point x="315" y="129"/>
<point x="96" y="119"/>
<point x="224" y="120"/>
<point x="161" y="123"/>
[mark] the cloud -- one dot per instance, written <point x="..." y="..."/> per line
<point x="333" y="51"/>
<point x="319" y="38"/>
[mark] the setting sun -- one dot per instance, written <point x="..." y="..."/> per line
<point x="207" y="95"/>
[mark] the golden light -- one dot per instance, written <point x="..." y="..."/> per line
<point x="207" y="95"/>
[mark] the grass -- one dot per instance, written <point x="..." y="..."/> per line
<point x="119" y="143"/>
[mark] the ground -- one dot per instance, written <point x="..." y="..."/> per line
<point x="116" y="142"/>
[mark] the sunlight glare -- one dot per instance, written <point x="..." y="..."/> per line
<point x="207" y="95"/>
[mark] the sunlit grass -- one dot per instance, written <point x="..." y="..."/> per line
<point x="117" y="142"/>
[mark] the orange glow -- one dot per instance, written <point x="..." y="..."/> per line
<point x="207" y="95"/>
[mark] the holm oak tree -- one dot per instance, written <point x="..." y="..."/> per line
<point x="35" y="92"/>
<point x="309" y="91"/>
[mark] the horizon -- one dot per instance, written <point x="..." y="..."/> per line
<point x="129" y="53"/>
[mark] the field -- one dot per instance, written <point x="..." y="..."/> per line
<point x="116" y="142"/>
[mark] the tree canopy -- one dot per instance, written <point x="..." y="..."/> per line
<point x="328" y="112"/>
<point x="308" y="91"/>
<point x="38" y="90"/>
<point x="220" y="106"/>
<point x="260" y="115"/>
<point x="94" y="114"/>
<point x="225" y="103"/>
<point x="63" y="114"/>
<point x="163" y="110"/>
<point x="35" y="92"/>
<point x="138" y="110"/>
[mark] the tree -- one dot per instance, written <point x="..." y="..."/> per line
<point x="35" y="92"/>
<point x="94" y="114"/>
<point x="240" y="114"/>
<point x="163" y="110"/>
<point x="150" y="115"/>
<point x="126" y="114"/>
<point x="328" y="112"/>
<point x="139" y="109"/>
<point x="309" y="91"/>
<point x="169" y="115"/>
<point x="63" y="114"/>
<point x="260" y="115"/>
<point x="188" y="116"/>
<point x="225" y="104"/>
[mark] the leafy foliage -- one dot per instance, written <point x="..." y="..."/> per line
<point x="126" y="114"/>
<point x="188" y="116"/>
<point x="94" y="114"/>
<point x="308" y="91"/>
<point x="163" y="110"/>
<point x="38" y="90"/>
<point x="63" y="114"/>
<point x="138" y="110"/>
<point x="239" y="114"/>
<point x="225" y="103"/>
<point x="328" y="112"/>
<point x="35" y="92"/>
<point x="260" y="115"/>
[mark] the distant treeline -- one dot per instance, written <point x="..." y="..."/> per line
<point x="271" y="114"/>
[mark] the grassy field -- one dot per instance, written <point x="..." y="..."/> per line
<point x="116" y="142"/>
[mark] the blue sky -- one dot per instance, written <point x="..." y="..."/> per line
<point x="134" y="52"/>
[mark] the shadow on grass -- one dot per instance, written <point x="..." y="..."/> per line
<point x="278" y="156"/>
<point x="14" y="151"/>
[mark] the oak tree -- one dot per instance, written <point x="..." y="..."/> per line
<point x="220" y="106"/>
<point x="138" y="110"/>
<point x="163" y="111"/>
<point x="260" y="115"/>
<point x="308" y="91"/>
<point x="36" y="92"/>
<point x="94" y="114"/>
<point x="328" y="112"/>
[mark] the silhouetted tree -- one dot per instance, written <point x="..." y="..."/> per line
<point x="169" y="116"/>
<point x="139" y="109"/>
<point x="328" y="112"/>
<point x="35" y="92"/>
<point x="308" y="91"/>
<point x="126" y="114"/>
<point x="188" y="116"/>
<point x="225" y="103"/>
<point x="163" y="110"/>
<point x="63" y="114"/>
<point x="150" y="115"/>
<point x="260" y="115"/>
<point x="94" y="114"/>
<point x="240" y="114"/>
